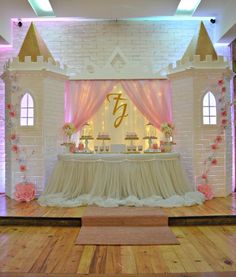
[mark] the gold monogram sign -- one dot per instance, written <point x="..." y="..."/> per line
<point x="119" y="107"/>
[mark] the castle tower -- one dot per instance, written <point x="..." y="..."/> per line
<point x="196" y="74"/>
<point x="34" y="85"/>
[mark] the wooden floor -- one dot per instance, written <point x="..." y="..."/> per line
<point x="217" y="206"/>
<point x="52" y="250"/>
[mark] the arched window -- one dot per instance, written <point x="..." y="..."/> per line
<point x="27" y="110"/>
<point x="209" y="109"/>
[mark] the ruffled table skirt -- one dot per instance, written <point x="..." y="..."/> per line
<point x="111" y="180"/>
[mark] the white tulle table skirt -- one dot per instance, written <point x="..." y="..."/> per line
<point x="119" y="179"/>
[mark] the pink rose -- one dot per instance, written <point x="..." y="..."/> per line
<point x="154" y="146"/>
<point x="12" y="114"/>
<point x="214" y="146"/>
<point x="214" y="162"/>
<point x="224" y="113"/>
<point x="204" y="176"/>
<point x="22" y="168"/>
<point x="206" y="190"/>
<point x="223" y="89"/>
<point x="224" y="122"/>
<point x="15" y="148"/>
<point x="9" y="106"/>
<point x="13" y="136"/>
<point x="24" y="192"/>
<point x="81" y="146"/>
<point x="218" y="139"/>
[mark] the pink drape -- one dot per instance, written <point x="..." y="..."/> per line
<point x="152" y="98"/>
<point x="83" y="99"/>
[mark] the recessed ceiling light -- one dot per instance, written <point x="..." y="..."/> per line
<point x="41" y="7"/>
<point x="187" y="7"/>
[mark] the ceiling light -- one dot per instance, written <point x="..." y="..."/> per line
<point x="41" y="7"/>
<point x="187" y="7"/>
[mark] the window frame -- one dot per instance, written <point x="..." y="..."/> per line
<point x="209" y="106"/>
<point x="27" y="108"/>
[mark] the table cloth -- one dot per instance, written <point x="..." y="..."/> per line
<point x="119" y="179"/>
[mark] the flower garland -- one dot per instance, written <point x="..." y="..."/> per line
<point x="167" y="128"/>
<point x="24" y="191"/>
<point x="69" y="129"/>
<point x="211" y="159"/>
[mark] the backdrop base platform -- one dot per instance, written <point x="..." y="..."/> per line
<point x="218" y="211"/>
<point x="125" y="226"/>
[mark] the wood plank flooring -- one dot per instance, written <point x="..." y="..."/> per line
<point x="216" y="206"/>
<point x="52" y="250"/>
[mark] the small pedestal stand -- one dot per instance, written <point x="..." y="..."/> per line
<point x="103" y="149"/>
<point x="86" y="142"/>
<point x="149" y="138"/>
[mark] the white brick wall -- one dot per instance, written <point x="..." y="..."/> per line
<point x="192" y="138"/>
<point x="47" y="90"/>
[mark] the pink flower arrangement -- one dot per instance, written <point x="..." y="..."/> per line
<point x="69" y="129"/>
<point x="167" y="128"/>
<point x="22" y="168"/>
<point x="206" y="190"/>
<point x="24" y="192"/>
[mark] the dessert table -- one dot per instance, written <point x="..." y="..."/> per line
<point x="119" y="179"/>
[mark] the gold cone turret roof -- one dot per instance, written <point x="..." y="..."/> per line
<point x="200" y="45"/>
<point x="33" y="46"/>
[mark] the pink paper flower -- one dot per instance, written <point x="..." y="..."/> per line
<point x="218" y="139"/>
<point x="214" y="146"/>
<point x="22" y="168"/>
<point x="214" y="161"/>
<point x="24" y="192"/>
<point x="13" y="136"/>
<point x="15" y="148"/>
<point x="206" y="190"/>
<point x="224" y="113"/>
<point x="224" y="122"/>
<point x="223" y="89"/>
<point x="9" y="106"/>
<point x="12" y="114"/>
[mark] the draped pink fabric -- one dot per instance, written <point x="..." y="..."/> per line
<point x="83" y="99"/>
<point x="152" y="98"/>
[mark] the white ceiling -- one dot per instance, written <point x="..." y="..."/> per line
<point x="223" y="10"/>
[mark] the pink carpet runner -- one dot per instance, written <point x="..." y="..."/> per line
<point x="125" y="226"/>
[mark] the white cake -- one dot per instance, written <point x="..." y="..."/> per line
<point x="103" y="135"/>
<point x="131" y="135"/>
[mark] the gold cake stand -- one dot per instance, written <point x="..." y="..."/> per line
<point x="86" y="142"/>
